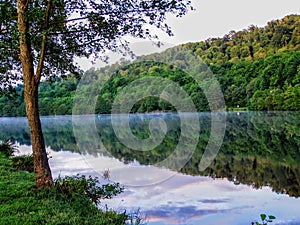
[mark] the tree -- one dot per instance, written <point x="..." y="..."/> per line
<point x="42" y="37"/>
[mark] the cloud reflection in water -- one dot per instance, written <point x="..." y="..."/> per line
<point x="183" y="199"/>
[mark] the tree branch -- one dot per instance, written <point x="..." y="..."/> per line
<point x="43" y="44"/>
<point x="138" y="10"/>
<point x="67" y="21"/>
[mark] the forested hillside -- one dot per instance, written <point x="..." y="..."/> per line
<point x="252" y="43"/>
<point x="55" y="97"/>
<point x="257" y="68"/>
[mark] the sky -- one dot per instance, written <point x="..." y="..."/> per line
<point x="212" y="18"/>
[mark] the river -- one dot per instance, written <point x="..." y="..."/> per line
<point x="222" y="168"/>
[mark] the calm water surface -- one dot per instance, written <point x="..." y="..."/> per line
<point x="257" y="169"/>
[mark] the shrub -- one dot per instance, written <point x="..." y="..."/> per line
<point x="23" y="162"/>
<point x="7" y="148"/>
<point x="89" y="187"/>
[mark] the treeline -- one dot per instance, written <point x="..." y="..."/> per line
<point x="252" y="43"/>
<point x="55" y="98"/>
<point x="271" y="83"/>
<point x="257" y="69"/>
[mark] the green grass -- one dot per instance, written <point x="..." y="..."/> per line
<point x="22" y="203"/>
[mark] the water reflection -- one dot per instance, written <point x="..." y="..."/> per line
<point x="260" y="151"/>
<point x="186" y="199"/>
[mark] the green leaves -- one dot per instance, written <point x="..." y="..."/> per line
<point x="263" y="216"/>
<point x="86" y="186"/>
<point x="265" y="220"/>
<point x="79" y="28"/>
<point x="7" y="148"/>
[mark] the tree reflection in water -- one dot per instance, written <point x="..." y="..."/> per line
<point x="259" y="148"/>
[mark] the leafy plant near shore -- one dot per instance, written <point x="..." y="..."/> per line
<point x="265" y="220"/>
<point x="23" y="162"/>
<point x="7" y="148"/>
<point x="86" y="186"/>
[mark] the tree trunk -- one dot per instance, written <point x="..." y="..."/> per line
<point x="31" y="84"/>
<point x="42" y="170"/>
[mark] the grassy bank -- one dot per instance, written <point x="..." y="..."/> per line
<point x="22" y="203"/>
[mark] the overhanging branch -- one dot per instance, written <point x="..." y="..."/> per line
<point x="138" y="10"/>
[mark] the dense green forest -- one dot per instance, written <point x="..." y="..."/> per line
<point x="257" y="68"/>
<point x="55" y="97"/>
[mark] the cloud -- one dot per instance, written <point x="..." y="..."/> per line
<point x="205" y="201"/>
<point x="179" y="214"/>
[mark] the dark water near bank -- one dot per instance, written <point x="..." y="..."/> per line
<point x="256" y="170"/>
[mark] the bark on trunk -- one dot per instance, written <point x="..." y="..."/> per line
<point x="31" y="84"/>
<point x="41" y="166"/>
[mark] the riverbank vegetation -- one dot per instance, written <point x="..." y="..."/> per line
<point x="71" y="200"/>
